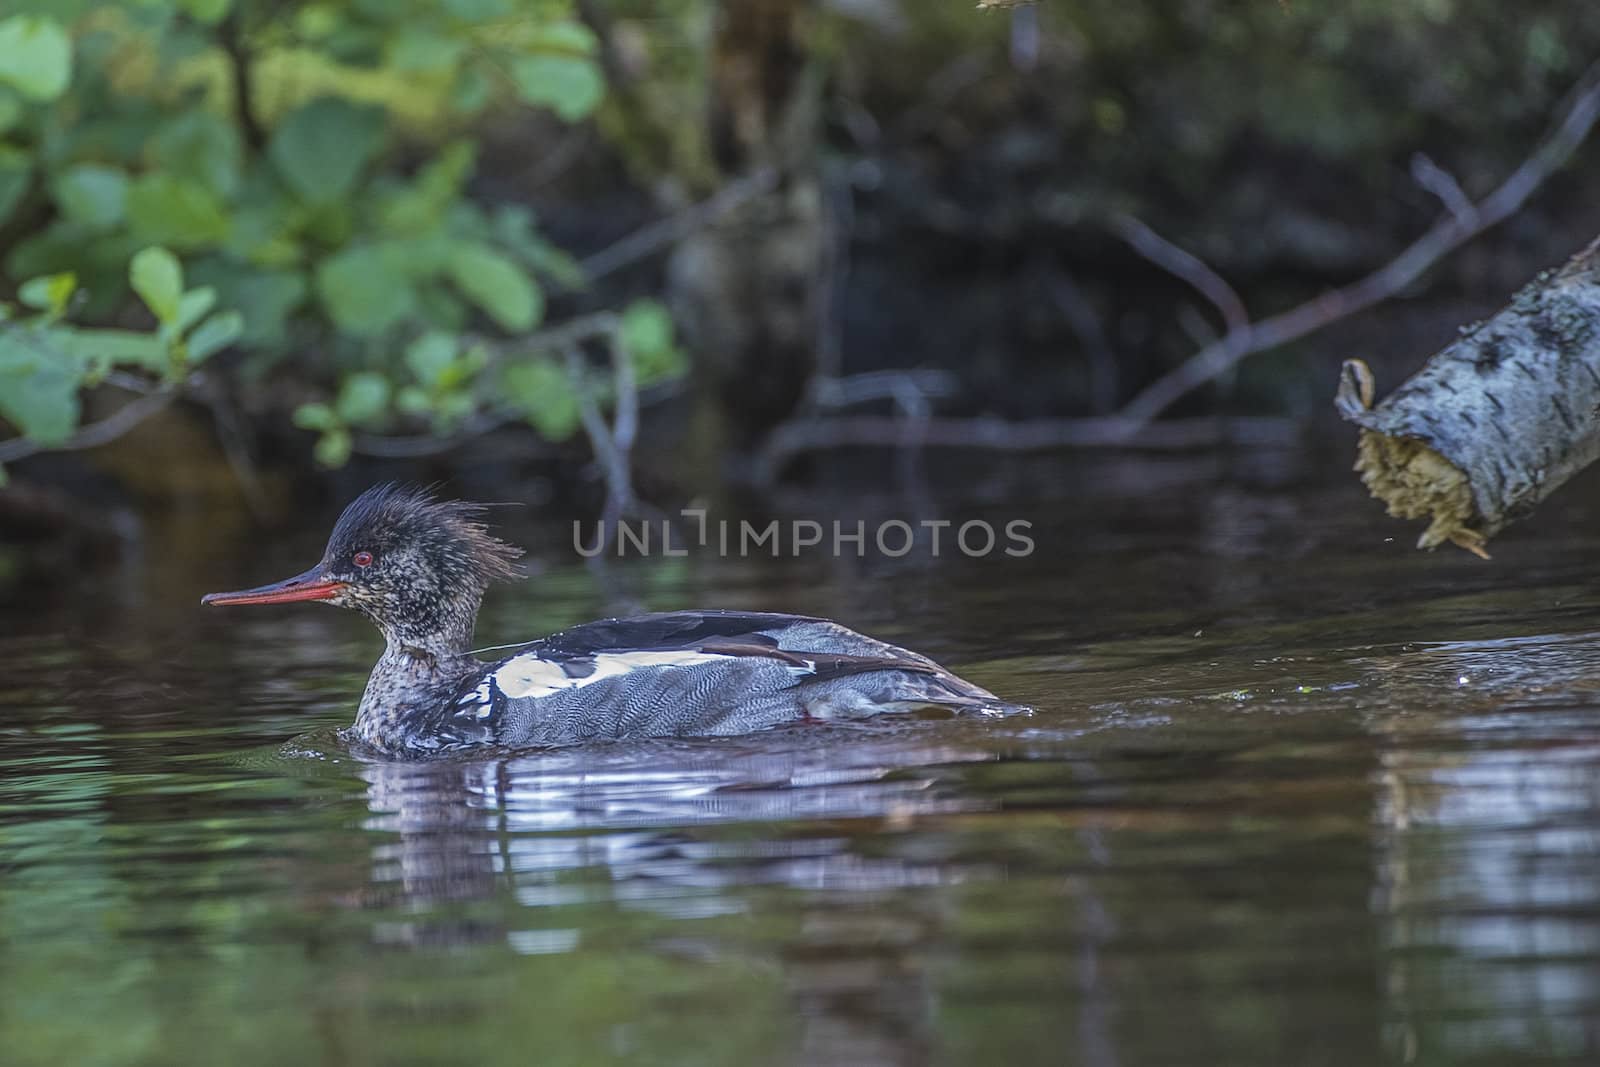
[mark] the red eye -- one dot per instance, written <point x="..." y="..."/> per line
<point x="362" y="559"/>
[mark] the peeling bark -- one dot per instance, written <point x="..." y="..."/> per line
<point x="1495" y="422"/>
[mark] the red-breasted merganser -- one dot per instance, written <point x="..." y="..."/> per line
<point x="418" y="567"/>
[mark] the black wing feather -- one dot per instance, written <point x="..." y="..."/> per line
<point x="722" y="633"/>
<point x="666" y="631"/>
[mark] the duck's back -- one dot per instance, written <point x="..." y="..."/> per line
<point x="687" y="673"/>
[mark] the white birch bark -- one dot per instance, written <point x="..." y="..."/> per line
<point x="1496" y="421"/>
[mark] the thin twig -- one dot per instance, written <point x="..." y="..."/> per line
<point x="1442" y="184"/>
<point x="94" y="434"/>
<point x="625" y="420"/>
<point x="594" y="424"/>
<point x="415" y="446"/>
<point x="1188" y="267"/>
<point x="612" y="444"/>
<point x="1449" y="232"/>
<point x="1002" y="435"/>
<point x="648" y="240"/>
<point x="852" y="389"/>
<point x="582" y="328"/>
<point x="549" y="166"/>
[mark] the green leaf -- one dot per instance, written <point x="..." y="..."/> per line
<point x="43" y="405"/>
<point x="472" y="91"/>
<point x="543" y="393"/>
<point x="198" y="147"/>
<point x="11" y="110"/>
<point x="477" y="10"/>
<point x="566" y="35"/>
<point x="430" y="357"/>
<point x="571" y="86"/>
<point x="321" y="147"/>
<point x="215" y="334"/>
<point x="498" y="286"/>
<point x="264" y="297"/>
<point x="158" y="279"/>
<point x="416" y="48"/>
<point x="212" y="11"/>
<point x="333" y="448"/>
<point x="192" y="306"/>
<point x="413" y="401"/>
<point x="92" y="194"/>
<point x="647" y="336"/>
<point x="315" y="416"/>
<point x="35" y="56"/>
<point x="16" y="174"/>
<point x="422" y="205"/>
<point x="646" y="328"/>
<point x="38" y="389"/>
<point x="49" y="293"/>
<point x="512" y="227"/>
<point x="450" y="408"/>
<point x="364" y="291"/>
<point x="440" y="308"/>
<point x="363" y="398"/>
<point x="128" y="348"/>
<point x="165" y="209"/>
<point x="266" y="221"/>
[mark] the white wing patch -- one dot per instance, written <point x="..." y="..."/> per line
<point x="476" y="703"/>
<point x="529" y="677"/>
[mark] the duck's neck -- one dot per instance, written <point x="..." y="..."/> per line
<point x="416" y="678"/>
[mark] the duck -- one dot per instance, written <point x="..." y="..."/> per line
<point x="419" y="566"/>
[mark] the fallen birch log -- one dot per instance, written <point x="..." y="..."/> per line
<point x="1495" y="422"/>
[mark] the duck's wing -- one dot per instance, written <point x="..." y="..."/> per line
<point x="813" y="648"/>
<point x="701" y="672"/>
<point x="665" y="630"/>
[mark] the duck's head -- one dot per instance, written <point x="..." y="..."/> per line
<point x="417" y="566"/>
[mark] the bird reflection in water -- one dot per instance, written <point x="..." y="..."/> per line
<point x="652" y="829"/>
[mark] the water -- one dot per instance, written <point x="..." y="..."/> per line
<point x="1292" y="793"/>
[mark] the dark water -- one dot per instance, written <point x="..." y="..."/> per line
<point x="1293" y="793"/>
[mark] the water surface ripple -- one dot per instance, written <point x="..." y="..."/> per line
<point x="1286" y="797"/>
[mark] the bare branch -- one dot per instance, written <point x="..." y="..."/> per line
<point x="1451" y="231"/>
<point x="1442" y="184"/>
<point x="625" y="421"/>
<point x="1188" y="267"/>
<point x="415" y="446"/>
<point x="830" y="392"/>
<point x="1033" y="435"/>
<point x="649" y="240"/>
<point x="612" y="444"/>
<point x="94" y="434"/>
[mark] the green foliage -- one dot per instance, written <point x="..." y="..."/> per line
<point x="158" y="279"/>
<point x="322" y="147"/>
<point x="540" y="391"/>
<point x="323" y="218"/>
<point x="35" y="56"/>
<point x="45" y="361"/>
<point x="497" y="285"/>
<point x="93" y="196"/>
<point x="647" y="337"/>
